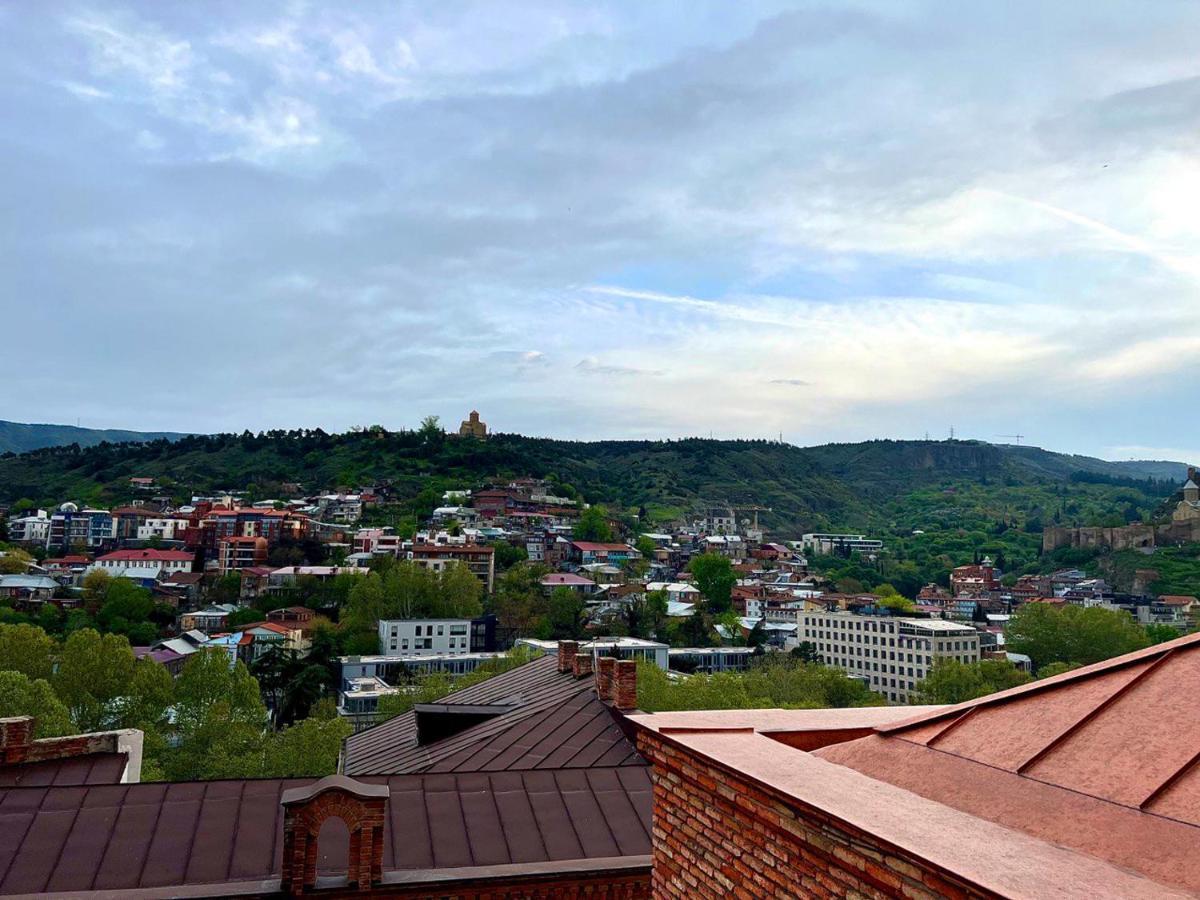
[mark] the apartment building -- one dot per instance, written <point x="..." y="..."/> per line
<point x="890" y="654"/>
<point x="479" y="558"/>
<point x="241" y="552"/>
<point x="830" y="544"/>
<point x="424" y="637"/>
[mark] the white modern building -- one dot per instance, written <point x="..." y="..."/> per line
<point x="424" y="637"/>
<point x="165" y="529"/>
<point x="890" y="654"/>
<point x="619" y="647"/>
<point x="31" y="529"/>
<point x="829" y="544"/>
<point x="143" y="565"/>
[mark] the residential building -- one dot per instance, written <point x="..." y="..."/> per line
<point x="31" y="530"/>
<point x="27" y="590"/>
<point x="424" y="637"/>
<point x="710" y="659"/>
<point x="891" y="654"/>
<point x="284" y="579"/>
<point x="72" y="528"/>
<point x="839" y="544"/>
<point x="241" y="521"/>
<point x="975" y="580"/>
<point x="163" y="528"/>
<point x="128" y="520"/>
<point x="294" y="617"/>
<point x="208" y="621"/>
<point x="570" y="581"/>
<point x="378" y="541"/>
<point x="479" y="558"/>
<point x="636" y="649"/>
<point x="240" y="552"/>
<point x="592" y="552"/>
<point x="144" y="565"/>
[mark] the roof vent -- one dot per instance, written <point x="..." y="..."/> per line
<point x="437" y="721"/>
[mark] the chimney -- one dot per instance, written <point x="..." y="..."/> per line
<point x="604" y="678"/>
<point x="566" y="655"/>
<point x="625" y="685"/>
<point x="16" y="739"/>
<point x="583" y="664"/>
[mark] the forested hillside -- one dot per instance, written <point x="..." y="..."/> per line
<point x="19" y="437"/>
<point x="888" y="486"/>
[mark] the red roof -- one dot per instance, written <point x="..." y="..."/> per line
<point x="593" y="547"/>
<point x="1102" y="759"/>
<point x="147" y="553"/>
<point x="565" y="578"/>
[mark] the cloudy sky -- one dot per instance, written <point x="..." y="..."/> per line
<point x="836" y="221"/>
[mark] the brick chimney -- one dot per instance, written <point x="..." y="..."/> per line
<point x="625" y="685"/>
<point x="16" y="739"/>
<point x="606" y="670"/>
<point x="583" y="665"/>
<point x="566" y="655"/>
<point x="363" y="807"/>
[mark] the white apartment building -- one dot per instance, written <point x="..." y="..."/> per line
<point x="891" y="654"/>
<point x="424" y="637"/>
<point x="829" y="544"/>
<point x="166" y="529"/>
<point x="32" y="529"/>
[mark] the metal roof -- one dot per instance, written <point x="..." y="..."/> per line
<point x="555" y="722"/>
<point x="93" y="768"/>
<point x="125" y="837"/>
<point x="1103" y="759"/>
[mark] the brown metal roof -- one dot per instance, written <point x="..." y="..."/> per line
<point x="556" y="722"/>
<point x="124" y="837"/>
<point x="94" y="768"/>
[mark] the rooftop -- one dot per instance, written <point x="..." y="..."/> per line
<point x="1090" y="778"/>
<point x="555" y="721"/>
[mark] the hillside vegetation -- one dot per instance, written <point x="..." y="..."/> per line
<point x="19" y="437"/>
<point x="892" y="486"/>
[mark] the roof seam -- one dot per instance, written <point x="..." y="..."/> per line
<point x="1092" y="713"/>
<point x="67" y="840"/>
<point x="237" y="830"/>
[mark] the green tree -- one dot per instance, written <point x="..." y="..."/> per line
<point x="715" y="579"/>
<point x="308" y="748"/>
<point x="95" y="586"/>
<point x="460" y="592"/>
<point x="26" y="649"/>
<point x="508" y="555"/>
<point x="951" y="681"/>
<point x="125" y="605"/>
<point x="1056" y="668"/>
<point x="593" y="525"/>
<point x="1071" y="634"/>
<point x="519" y="600"/>
<point x="94" y="673"/>
<point x="14" y="562"/>
<point x="220" y="720"/>
<point x="1160" y="634"/>
<point x="564" y="616"/>
<point x="806" y="652"/>
<point x="22" y="696"/>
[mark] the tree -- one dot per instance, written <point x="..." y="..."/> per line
<point x="1160" y="634"/>
<point x="94" y="672"/>
<point x="508" y="555"/>
<point x="95" y="586"/>
<point x="715" y="579"/>
<point x="1071" y="634"/>
<point x="593" y="526"/>
<point x="14" y="562"/>
<point x="308" y="748"/>
<point x="951" y="681"/>
<point x="806" y="652"/>
<point x="564" y="616"/>
<point x="460" y="592"/>
<point x="26" y="649"/>
<point x="23" y="696"/>
<point x="646" y="547"/>
<point x="220" y="720"/>
<point x="125" y="605"/>
<point x="519" y="599"/>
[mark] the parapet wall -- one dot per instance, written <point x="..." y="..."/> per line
<point x="1125" y="537"/>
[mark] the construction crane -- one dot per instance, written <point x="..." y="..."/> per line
<point x="1017" y="437"/>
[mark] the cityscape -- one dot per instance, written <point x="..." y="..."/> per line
<point x="538" y="449"/>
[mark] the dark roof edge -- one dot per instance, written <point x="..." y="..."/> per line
<point x="396" y="878"/>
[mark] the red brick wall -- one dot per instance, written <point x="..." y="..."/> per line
<point x="718" y="835"/>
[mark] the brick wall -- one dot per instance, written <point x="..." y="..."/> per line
<point x="718" y="835"/>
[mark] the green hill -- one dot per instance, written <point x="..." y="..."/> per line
<point x="893" y="486"/>
<point x="19" y="437"/>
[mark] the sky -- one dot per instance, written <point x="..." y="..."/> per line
<point x="821" y="222"/>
